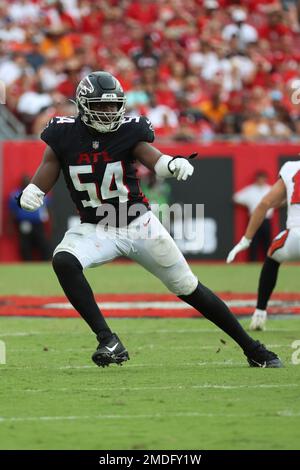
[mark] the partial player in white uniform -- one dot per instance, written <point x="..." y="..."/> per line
<point x="249" y="197"/>
<point x="285" y="246"/>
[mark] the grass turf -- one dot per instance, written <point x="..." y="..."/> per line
<point x="39" y="278"/>
<point x="182" y="389"/>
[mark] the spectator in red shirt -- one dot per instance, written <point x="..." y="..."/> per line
<point x="275" y="27"/>
<point x="145" y="12"/>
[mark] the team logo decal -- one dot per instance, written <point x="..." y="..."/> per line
<point x="95" y="144"/>
<point x="85" y="86"/>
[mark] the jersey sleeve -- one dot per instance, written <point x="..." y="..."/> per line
<point x="51" y="135"/>
<point x="146" y="131"/>
<point x="285" y="172"/>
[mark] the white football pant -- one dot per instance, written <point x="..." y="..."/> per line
<point x="286" y="246"/>
<point x="144" y="240"/>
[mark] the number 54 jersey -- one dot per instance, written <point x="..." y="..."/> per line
<point x="98" y="167"/>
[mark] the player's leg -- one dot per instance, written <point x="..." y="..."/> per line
<point x="79" y="249"/>
<point x="285" y="247"/>
<point x="69" y="272"/>
<point x="266" y="285"/>
<point x="160" y="255"/>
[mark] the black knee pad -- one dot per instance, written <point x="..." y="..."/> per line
<point x="64" y="262"/>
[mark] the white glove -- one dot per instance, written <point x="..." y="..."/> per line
<point x="243" y="244"/>
<point x="181" y="168"/>
<point x="32" y="198"/>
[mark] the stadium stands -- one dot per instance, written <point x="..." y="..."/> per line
<point x="200" y="69"/>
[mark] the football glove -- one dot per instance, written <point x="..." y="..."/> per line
<point x="31" y="198"/>
<point x="243" y="244"/>
<point x="180" y="167"/>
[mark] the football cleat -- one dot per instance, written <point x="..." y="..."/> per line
<point x="258" y="320"/>
<point x="110" y="351"/>
<point x="259" y="356"/>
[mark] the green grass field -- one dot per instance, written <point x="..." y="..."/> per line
<point x="182" y="389"/>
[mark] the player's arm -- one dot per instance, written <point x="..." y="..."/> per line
<point x="164" y="166"/>
<point x="45" y="177"/>
<point x="274" y="199"/>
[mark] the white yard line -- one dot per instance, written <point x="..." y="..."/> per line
<point x="187" y="414"/>
<point x="114" y="416"/>
<point x="140" y="348"/>
<point x="289" y="413"/>
<point x="22" y="333"/>
<point x="167" y="387"/>
<point x="128" y="365"/>
<point x="158" y="365"/>
<point x="139" y="332"/>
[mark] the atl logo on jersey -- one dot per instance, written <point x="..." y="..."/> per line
<point x="93" y="157"/>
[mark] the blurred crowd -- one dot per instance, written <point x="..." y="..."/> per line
<point x="199" y="69"/>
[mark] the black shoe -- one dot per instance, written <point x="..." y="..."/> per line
<point x="259" y="356"/>
<point x="110" y="351"/>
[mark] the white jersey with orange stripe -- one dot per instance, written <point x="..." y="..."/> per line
<point x="290" y="174"/>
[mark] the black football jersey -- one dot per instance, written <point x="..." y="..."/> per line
<point x="99" y="168"/>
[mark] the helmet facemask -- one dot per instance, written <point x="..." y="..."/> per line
<point x="102" y="121"/>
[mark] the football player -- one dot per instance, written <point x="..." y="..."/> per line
<point x="96" y="152"/>
<point x="285" y="246"/>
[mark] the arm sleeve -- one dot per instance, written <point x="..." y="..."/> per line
<point x="146" y="131"/>
<point x="284" y="172"/>
<point x="50" y="135"/>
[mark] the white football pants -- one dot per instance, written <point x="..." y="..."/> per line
<point x="286" y="246"/>
<point x="144" y="240"/>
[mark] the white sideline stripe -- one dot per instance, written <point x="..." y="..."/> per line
<point x="128" y="305"/>
<point x="167" y="387"/>
<point x="161" y="304"/>
<point x="187" y="414"/>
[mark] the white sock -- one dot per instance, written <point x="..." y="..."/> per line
<point x="260" y="312"/>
